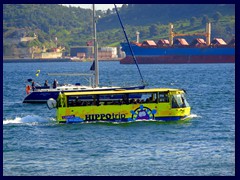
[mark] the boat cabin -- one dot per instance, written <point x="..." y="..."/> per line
<point x="122" y="105"/>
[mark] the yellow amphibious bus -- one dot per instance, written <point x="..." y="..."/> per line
<point x="161" y="104"/>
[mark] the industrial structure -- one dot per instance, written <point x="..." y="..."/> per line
<point x="180" y="51"/>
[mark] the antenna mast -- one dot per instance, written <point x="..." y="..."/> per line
<point x="95" y="48"/>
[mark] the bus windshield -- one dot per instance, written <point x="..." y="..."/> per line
<point x="179" y="101"/>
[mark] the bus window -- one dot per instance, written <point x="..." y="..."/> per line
<point x="163" y="97"/>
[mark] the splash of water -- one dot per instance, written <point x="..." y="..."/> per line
<point x="29" y="119"/>
<point x="194" y="116"/>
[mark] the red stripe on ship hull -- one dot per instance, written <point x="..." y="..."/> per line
<point x="178" y="59"/>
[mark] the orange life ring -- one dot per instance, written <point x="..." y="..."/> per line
<point x="28" y="88"/>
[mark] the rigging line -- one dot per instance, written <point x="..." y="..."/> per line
<point x="134" y="58"/>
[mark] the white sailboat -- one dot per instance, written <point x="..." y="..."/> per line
<point x="42" y="94"/>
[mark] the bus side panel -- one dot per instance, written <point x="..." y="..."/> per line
<point x="129" y="112"/>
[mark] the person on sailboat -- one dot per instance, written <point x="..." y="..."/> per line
<point x="46" y="83"/>
<point x="33" y="85"/>
<point x="55" y="83"/>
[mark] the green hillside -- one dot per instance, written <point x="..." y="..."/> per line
<point x="73" y="26"/>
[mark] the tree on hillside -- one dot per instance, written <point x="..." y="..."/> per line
<point x="218" y="30"/>
<point x="144" y="34"/>
<point x="193" y="21"/>
<point x="217" y="16"/>
<point x="108" y="12"/>
<point x="124" y="7"/>
<point x="153" y="29"/>
<point x="205" y="20"/>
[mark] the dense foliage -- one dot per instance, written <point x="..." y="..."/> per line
<point x="73" y="25"/>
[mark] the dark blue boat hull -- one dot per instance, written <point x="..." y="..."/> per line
<point x="178" y="55"/>
<point x="42" y="97"/>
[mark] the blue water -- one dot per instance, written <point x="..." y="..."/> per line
<point x="34" y="144"/>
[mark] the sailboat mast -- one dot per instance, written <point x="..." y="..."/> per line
<point x="95" y="48"/>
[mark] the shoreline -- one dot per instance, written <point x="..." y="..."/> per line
<point x="21" y="60"/>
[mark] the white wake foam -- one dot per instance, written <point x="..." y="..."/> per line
<point x="194" y="116"/>
<point x="29" y="119"/>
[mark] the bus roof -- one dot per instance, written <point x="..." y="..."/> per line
<point x="121" y="91"/>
